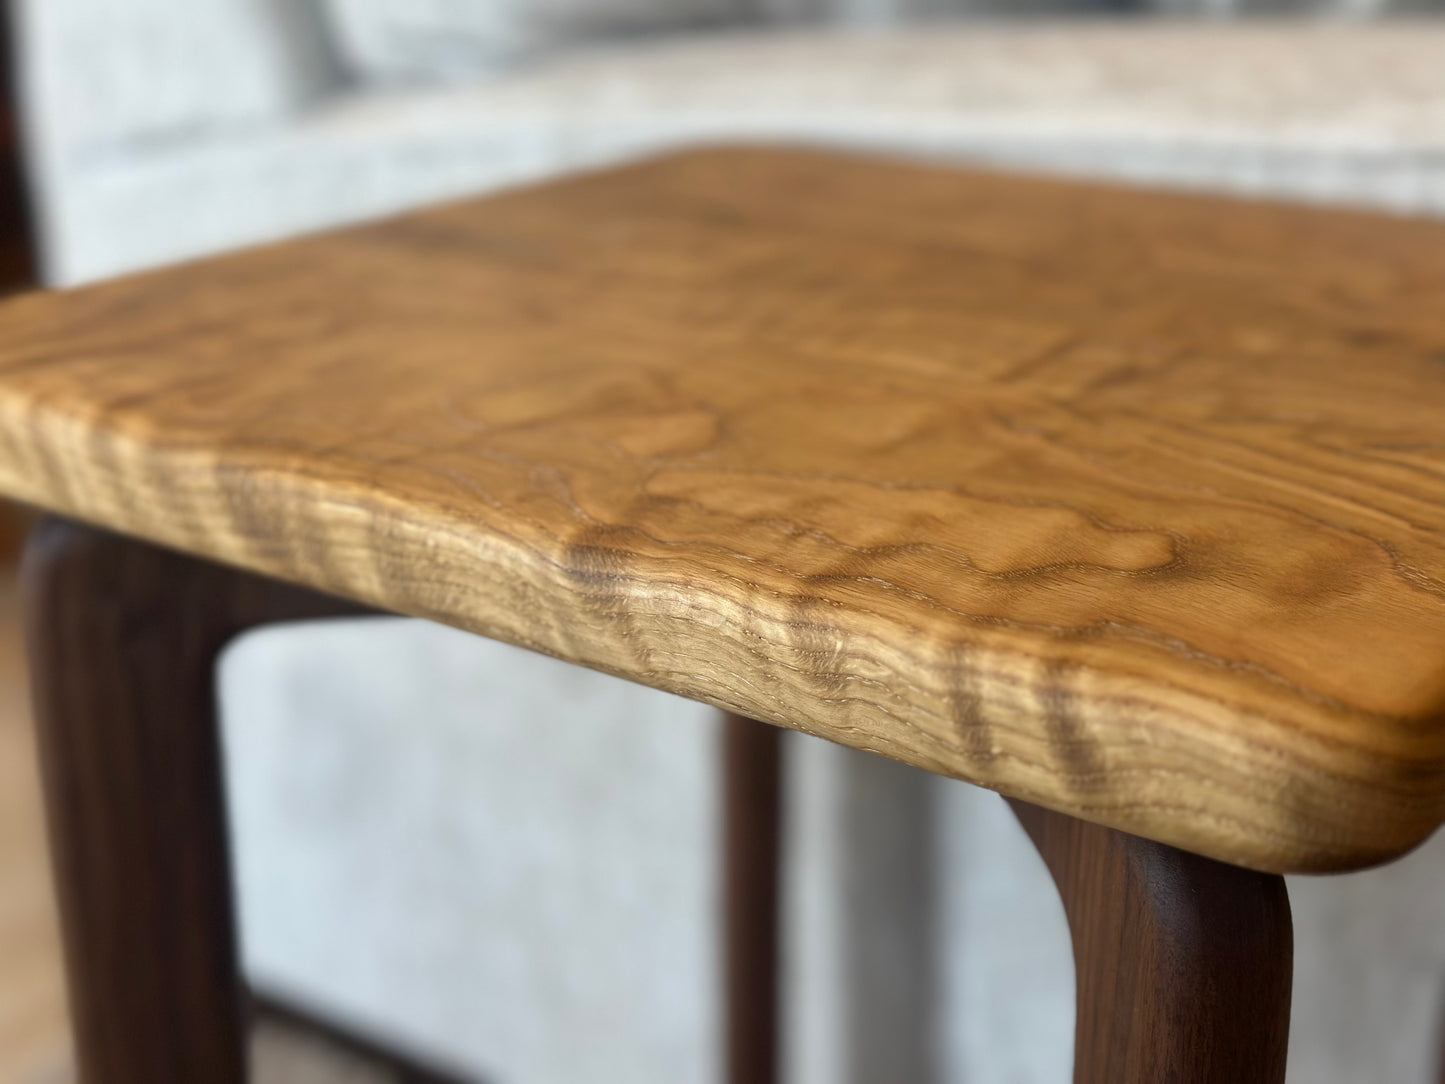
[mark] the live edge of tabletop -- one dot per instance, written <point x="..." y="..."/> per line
<point x="1129" y="504"/>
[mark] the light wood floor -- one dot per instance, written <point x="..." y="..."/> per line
<point x="34" y="1033"/>
<point x="34" y="1036"/>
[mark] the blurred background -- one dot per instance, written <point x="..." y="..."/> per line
<point x="509" y="866"/>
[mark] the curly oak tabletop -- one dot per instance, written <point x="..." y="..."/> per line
<point x="1128" y="504"/>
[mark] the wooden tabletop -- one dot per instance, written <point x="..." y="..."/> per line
<point x="1129" y="504"/>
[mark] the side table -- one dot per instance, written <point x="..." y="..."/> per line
<point x="1124" y="504"/>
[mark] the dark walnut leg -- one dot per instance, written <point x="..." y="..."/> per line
<point x="751" y="799"/>
<point x="1183" y="964"/>
<point x="123" y="639"/>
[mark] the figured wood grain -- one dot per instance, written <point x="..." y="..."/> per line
<point x="1124" y="503"/>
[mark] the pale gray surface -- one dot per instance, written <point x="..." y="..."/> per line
<point x="862" y="936"/>
<point x="1007" y="1013"/>
<point x="1370" y="972"/>
<point x="488" y="853"/>
<point x="152" y="74"/>
<point x="418" y="845"/>
<point x="1318" y="112"/>
<point x="429" y="41"/>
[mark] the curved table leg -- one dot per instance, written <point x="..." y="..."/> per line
<point x="123" y="639"/>
<point x="1183" y="964"/>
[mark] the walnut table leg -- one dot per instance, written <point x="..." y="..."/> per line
<point x="1183" y="963"/>
<point x="123" y="639"/>
<point x="750" y="871"/>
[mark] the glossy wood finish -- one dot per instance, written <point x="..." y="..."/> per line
<point x="1125" y="503"/>
<point x="122" y="639"/>
<point x="1183" y="964"/>
<point x="751" y="818"/>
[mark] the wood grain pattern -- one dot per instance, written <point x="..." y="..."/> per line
<point x="1183" y="964"/>
<point x="1124" y="503"/>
